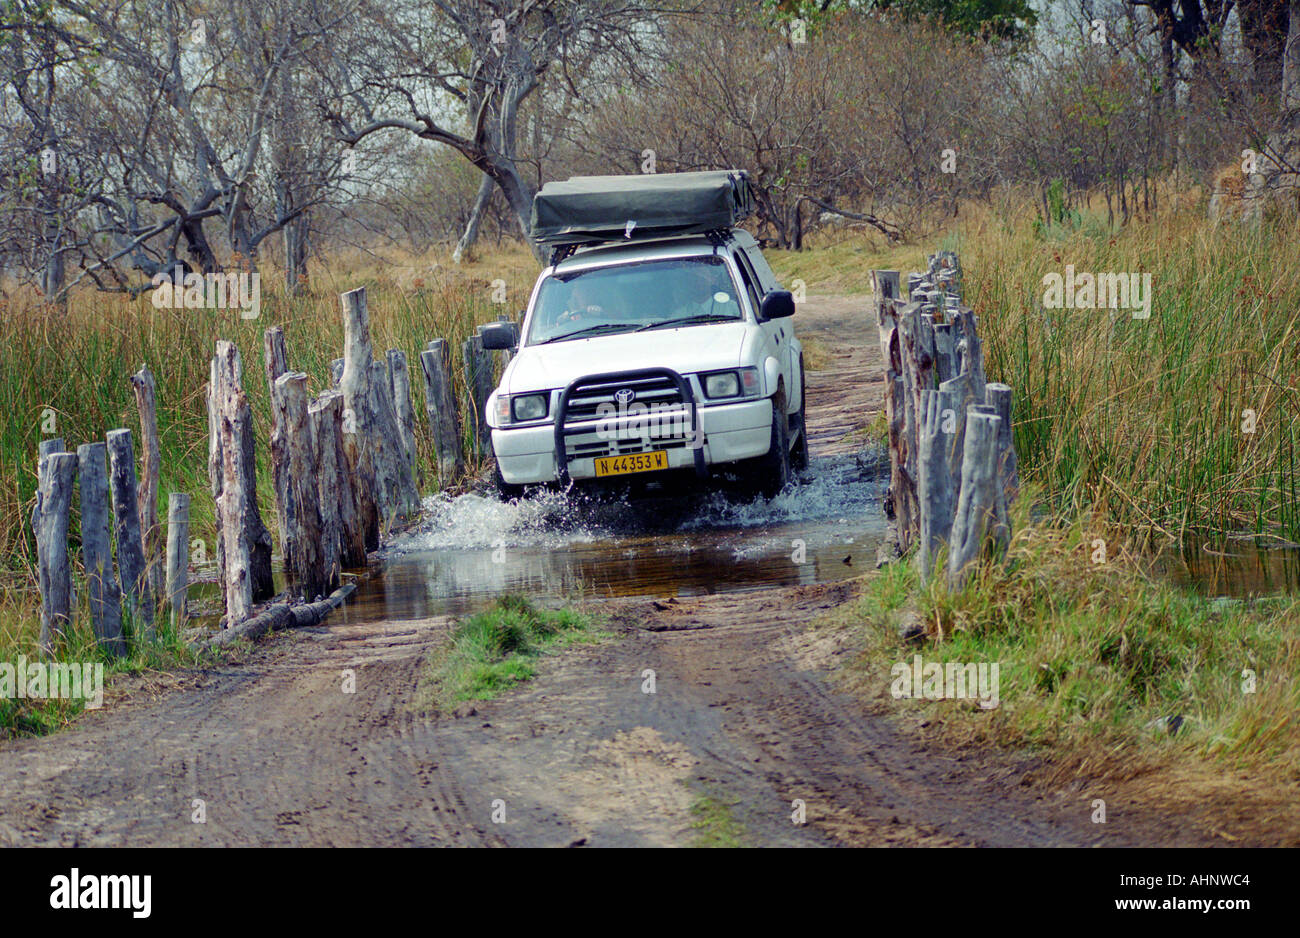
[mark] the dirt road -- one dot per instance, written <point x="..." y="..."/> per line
<point x="270" y="750"/>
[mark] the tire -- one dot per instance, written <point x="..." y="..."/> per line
<point x="799" y="456"/>
<point x="506" y="491"/>
<point x="769" y="474"/>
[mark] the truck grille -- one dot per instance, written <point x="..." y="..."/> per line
<point x="585" y="404"/>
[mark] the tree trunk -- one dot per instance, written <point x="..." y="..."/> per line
<point x="466" y="244"/>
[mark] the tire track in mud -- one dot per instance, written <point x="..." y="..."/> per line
<point x="743" y="713"/>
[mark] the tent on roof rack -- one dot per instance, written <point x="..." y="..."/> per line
<point x="590" y="209"/>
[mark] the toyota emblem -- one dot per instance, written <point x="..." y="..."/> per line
<point x="624" y="396"/>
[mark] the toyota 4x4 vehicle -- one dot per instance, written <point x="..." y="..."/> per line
<point x="657" y="340"/>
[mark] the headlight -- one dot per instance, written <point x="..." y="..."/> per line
<point x="526" y="407"/>
<point x="722" y="384"/>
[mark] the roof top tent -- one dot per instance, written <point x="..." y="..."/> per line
<point x="596" y="209"/>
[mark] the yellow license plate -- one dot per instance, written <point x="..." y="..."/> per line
<point x="633" y="462"/>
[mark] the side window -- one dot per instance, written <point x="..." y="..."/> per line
<point x="766" y="278"/>
<point x="750" y="281"/>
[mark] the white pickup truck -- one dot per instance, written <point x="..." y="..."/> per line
<point x="655" y="352"/>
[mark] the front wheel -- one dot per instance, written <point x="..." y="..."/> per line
<point x="770" y="474"/>
<point x="799" y="458"/>
<point x="506" y="491"/>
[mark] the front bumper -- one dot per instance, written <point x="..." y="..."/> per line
<point x="726" y="433"/>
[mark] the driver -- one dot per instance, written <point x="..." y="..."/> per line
<point x="582" y="308"/>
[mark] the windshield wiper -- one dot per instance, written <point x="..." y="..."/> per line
<point x="702" y="317"/>
<point x="599" y="327"/>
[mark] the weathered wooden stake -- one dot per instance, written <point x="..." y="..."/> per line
<point x="478" y="381"/>
<point x="329" y="433"/>
<point x="237" y="580"/>
<point x="178" y="556"/>
<point x="977" y="503"/>
<point x="55" y="574"/>
<point x="142" y="382"/>
<point x="440" y="409"/>
<point x="320" y="413"/>
<point x="934" y="485"/>
<point x="998" y="396"/>
<point x="97" y="549"/>
<point x="226" y="375"/>
<point x="399" y="377"/>
<point x="136" y="590"/>
<point x="307" y="566"/>
<point x="357" y="420"/>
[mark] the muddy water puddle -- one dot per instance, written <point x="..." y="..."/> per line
<point x="472" y="548"/>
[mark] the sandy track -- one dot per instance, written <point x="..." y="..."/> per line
<point x="742" y="713"/>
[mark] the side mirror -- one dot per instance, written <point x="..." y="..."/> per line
<point x="778" y="304"/>
<point x="499" y="335"/>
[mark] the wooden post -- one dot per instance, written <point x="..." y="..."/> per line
<point x="307" y="569"/>
<point x="97" y="549"/>
<point x="884" y="284"/>
<point x="960" y="397"/>
<point x="237" y="581"/>
<point x="178" y="556"/>
<point x="275" y="362"/>
<point x="945" y="361"/>
<point x="970" y="351"/>
<point x="399" y="377"/>
<point x="998" y="396"/>
<point x="226" y="375"/>
<point x="327" y="415"/>
<point x="44" y="449"/>
<point x="55" y="574"/>
<point x="934" y="485"/>
<point x="440" y="409"/>
<point x="320" y="413"/>
<point x="357" y="421"/>
<point x="142" y="382"/>
<point x="977" y="503"/>
<point x="478" y="381"/>
<point x="126" y="528"/>
<point x="397" y="485"/>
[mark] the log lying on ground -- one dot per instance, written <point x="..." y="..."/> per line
<point x="136" y="593"/>
<point x="142" y="382"/>
<point x="55" y="573"/>
<point x="97" y="551"/>
<point x="440" y="409"/>
<point x="281" y="616"/>
<point x="178" y="556"/>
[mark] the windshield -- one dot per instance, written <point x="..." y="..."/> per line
<point x="640" y="296"/>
